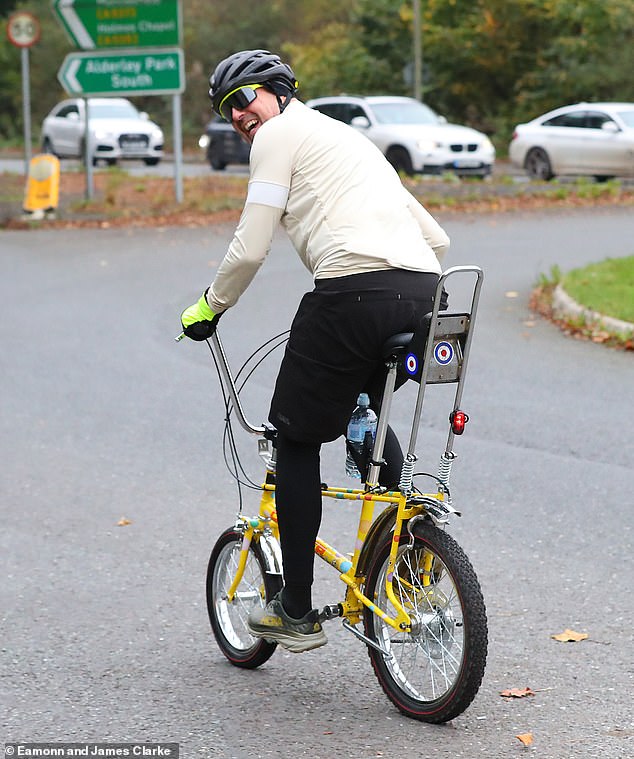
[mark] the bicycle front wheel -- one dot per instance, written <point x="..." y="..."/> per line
<point x="229" y="617"/>
<point x="433" y="672"/>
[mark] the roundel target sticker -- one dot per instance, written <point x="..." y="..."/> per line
<point x="411" y="364"/>
<point x="443" y="353"/>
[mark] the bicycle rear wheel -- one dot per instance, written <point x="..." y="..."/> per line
<point x="433" y="673"/>
<point x="229" y="618"/>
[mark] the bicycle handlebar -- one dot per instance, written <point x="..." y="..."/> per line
<point x="229" y="382"/>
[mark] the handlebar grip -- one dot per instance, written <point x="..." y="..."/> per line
<point x="178" y="338"/>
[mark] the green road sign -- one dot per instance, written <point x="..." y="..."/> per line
<point x="121" y="23"/>
<point x="148" y="72"/>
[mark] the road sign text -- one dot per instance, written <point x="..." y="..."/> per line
<point x="122" y="23"/>
<point x="127" y="72"/>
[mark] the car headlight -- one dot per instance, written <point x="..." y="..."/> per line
<point x="427" y="145"/>
<point x="203" y="142"/>
<point x="103" y="134"/>
<point x="157" y="134"/>
<point x="487" y="144"/>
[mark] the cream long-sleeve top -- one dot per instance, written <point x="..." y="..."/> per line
<point x="341" y="203"/>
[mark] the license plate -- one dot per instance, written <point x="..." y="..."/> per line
<point x="133" y="142"/>
<point x="466" y="163"/>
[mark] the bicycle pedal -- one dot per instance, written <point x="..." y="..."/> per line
<point x="330" y="612"/>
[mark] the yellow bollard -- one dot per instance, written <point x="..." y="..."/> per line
<point x="42" y="187"/>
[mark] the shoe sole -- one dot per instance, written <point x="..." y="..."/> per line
<point x="295" y="645"/>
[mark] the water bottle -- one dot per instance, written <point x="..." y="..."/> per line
<point x="361" y="433"/>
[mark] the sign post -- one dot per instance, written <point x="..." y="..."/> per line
<point x="23" y="31"/>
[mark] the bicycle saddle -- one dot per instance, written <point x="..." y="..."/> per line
<point x="397" y="345"/>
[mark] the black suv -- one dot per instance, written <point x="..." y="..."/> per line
<point x="223" y="145"/>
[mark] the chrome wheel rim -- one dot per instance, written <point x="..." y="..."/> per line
<point x="427" y="662"/>
<point x="232" y="614"/>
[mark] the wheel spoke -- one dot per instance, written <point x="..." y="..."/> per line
<point x="426" y="662"/>
<point x="232" y="615"/>
<point x="229" y="617"/>
<point x="425" y="672"/>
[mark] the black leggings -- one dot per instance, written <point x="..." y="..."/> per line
<point x="298" y="503"/>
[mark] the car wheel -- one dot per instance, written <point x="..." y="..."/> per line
<point x="47" y="146"/>
<point x="111" y="161"/>
<point x="151" y="161"/>
<point x="216" y="162"/>
<point x="400" y="160"/>
<point x="603" y="177"/>
<point x="537" y="164"/>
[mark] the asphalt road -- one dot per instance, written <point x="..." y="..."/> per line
<point x="104" y="628"/>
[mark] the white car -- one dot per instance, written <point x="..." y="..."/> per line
<point x="412" y="137"/>
<point x="592" y="139"/>
<point x="117" y="130"/>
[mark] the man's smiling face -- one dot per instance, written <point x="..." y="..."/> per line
<point x="246" y="122"/>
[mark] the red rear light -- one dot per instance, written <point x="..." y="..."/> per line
<point x="514" y="137"/>
<point x="458" y="419"/>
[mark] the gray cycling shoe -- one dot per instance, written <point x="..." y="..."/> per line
<point x="297" y="635"/>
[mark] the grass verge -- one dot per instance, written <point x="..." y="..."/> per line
<point x="606" y="287"/>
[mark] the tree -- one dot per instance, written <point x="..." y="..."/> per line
<point x="589" y="56"/>
<point x="497" y="62"/>
<point x="7" y="7"/>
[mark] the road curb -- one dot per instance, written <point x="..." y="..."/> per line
<point x="564" y="306"/>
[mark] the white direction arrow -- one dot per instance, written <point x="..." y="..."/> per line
<point x="66" y="10"/>
<point x="70" y="76"/>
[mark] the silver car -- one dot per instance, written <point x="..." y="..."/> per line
<point x="117" y="131"/>
<point x="412" y="137"/>
<point x="592" y="139"/>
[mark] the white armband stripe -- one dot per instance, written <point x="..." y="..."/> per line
<point x="267" y="194"/>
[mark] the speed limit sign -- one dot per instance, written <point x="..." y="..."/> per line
<point x="23" y="29"/>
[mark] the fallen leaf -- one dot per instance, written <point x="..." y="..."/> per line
<point x="123" y="522"/>
<point x="529" y="323"/>
<point x="517" y="692"/>
<point x="525" y="738"/>
<point x="569" y="636"/>
<point x="511" y="294"/>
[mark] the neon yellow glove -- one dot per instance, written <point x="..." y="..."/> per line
<point x="199" y="321"/>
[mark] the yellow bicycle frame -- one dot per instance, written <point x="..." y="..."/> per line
<point x="266" y="523"/>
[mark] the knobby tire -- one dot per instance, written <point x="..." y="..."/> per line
<point x="433" y="673"/>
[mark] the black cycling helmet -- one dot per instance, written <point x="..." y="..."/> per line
<point x="251" y="67"/>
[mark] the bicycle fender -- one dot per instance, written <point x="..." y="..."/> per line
<point x="272" y="554"/>
<point x="382" y="525"/>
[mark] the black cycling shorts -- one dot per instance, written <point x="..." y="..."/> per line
<point x="334" y="349"/>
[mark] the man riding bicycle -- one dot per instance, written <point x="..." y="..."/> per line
<point x="374" y="254"/>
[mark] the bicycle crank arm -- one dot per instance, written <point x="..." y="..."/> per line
<point x="330" y="612"/>
<point x="351" y="628"/>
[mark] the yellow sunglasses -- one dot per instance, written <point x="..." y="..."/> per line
<point x="238" y="99"/>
